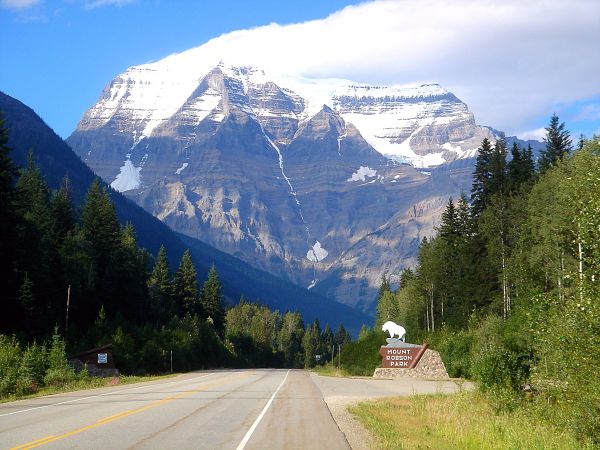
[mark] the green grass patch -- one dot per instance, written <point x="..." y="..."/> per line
<point x="461" y="421"/>
<point x="331" y="371"/>
<point x="87" y="383"/>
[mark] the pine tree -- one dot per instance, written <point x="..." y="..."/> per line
<point x="521" y="168"/>
<point x="8" y="234"/>
<point x="26" y="297"/>
<point x="327" y="343"/>
<point x="212" y="300"/>
<point x="160" y="289"/>
<point x="406" y="276"/>
<point x="342" y="337"/>
<point x="497" y="182"/>
<point x="463" y="217"/>
<point x="186" y="286"/>
<point x="131" y="278"/>
<point x="100" y="228"/>
<point x="101" y="233"/>
<point x="481" y="176"/>
<point x="62" y="211"/>
<point x="558" y="144"/>
<point x="38" y="254"/>
<point x="449" y="227"/>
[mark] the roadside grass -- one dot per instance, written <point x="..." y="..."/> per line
<point x="87" y="383"/>
<point x="462" y="421"/>
<point x="329" y="370"/>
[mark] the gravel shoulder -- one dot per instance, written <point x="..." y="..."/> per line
<point x="339" y="393"/>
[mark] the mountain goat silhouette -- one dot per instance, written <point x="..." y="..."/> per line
<point x="394" y="329"/>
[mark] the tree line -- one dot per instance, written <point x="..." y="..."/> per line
<point x="75" y="275"/>
<point x="508" y="289"/>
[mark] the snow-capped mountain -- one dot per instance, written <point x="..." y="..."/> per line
<point x="301" y="177"/>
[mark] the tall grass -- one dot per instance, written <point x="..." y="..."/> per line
<point x="460" y="421"/>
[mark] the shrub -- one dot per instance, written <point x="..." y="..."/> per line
<point x="455" y="349"/>
<point x="59" y="372"/>
<point x="10" y="363"/>
<point x="362" y="357"/>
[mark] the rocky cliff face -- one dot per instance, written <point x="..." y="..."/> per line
<point x="303" y="178"/>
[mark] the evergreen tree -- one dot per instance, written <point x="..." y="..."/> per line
<point x="212" y="300"/>
<point x="186" y="286"/>
<point x="100" y="226"/>
<point x="558" y="144"/>
<point x="38" y="255"/>
<point x="497" y="181"/>
<point x="406" y="276"/>
<point x="450" y="227"/>
<point x="101" y="235"/>
<point x="62" y="211"/>
<point x="131" y="278"/>
<point x="521" y="167"/>
<point x="8" y="231"/>
<point x="386" y="307"/>
<point x="342" y="337"/>
<point x="160" y="289"/>
<point x="26" y="297"/>
<point x="384" y="286"/>
<point x="327" y="340"/>
<point x="464" y="219"/>
<point x="8" y="234"/>
<point x="481" y="176"/>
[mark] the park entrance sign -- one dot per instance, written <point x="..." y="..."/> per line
<point x="403" y="359"/>
<point x="402" y="355"/>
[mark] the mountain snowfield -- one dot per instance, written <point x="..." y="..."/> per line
<point x="296" y="176"/>
<point x="423" y="125"/>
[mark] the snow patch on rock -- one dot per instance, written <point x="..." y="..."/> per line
<point x="362" y="174"/>
<point x="183" y="166"/>
<point x="128" y="178"/>
<point x="317" y="253"/>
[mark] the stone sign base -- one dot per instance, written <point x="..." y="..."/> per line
<point x="429" y="366"/>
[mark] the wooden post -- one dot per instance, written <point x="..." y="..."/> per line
<point x="68" y="303"/>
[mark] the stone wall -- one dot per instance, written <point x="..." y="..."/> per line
<point x="430" y="366"/>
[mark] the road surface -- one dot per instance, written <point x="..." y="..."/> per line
<point x="252" y="409"/>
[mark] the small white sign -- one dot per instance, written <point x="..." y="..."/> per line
<point x="102" y="358"/>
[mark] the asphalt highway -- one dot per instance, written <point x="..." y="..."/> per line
<point x="229" y="409"/>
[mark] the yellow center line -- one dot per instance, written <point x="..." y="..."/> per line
<point x="38" y="441"/>
<point x="114" y="417"/>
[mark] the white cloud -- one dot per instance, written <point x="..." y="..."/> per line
<point x="537" y="134"/>
<point x="18" y="4"/>
<point x="510" y="61"/>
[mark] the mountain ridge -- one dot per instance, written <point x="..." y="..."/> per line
<point x="55" y="158"/>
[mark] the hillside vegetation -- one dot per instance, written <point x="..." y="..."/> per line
<point x="509" y="289"/>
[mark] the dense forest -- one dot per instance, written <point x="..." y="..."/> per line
<point x="76" y="279"/>
<point x="508" y="290"/>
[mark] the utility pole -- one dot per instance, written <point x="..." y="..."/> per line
<point x="68" y="303"/>
<point x="171" y="361"/>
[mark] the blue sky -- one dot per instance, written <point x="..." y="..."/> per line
<point x="513" y="64"/>
<point x="57" y="56"/>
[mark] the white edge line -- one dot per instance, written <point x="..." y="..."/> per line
<point x="260" y="416"/>
<point x="99" y="395"/>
